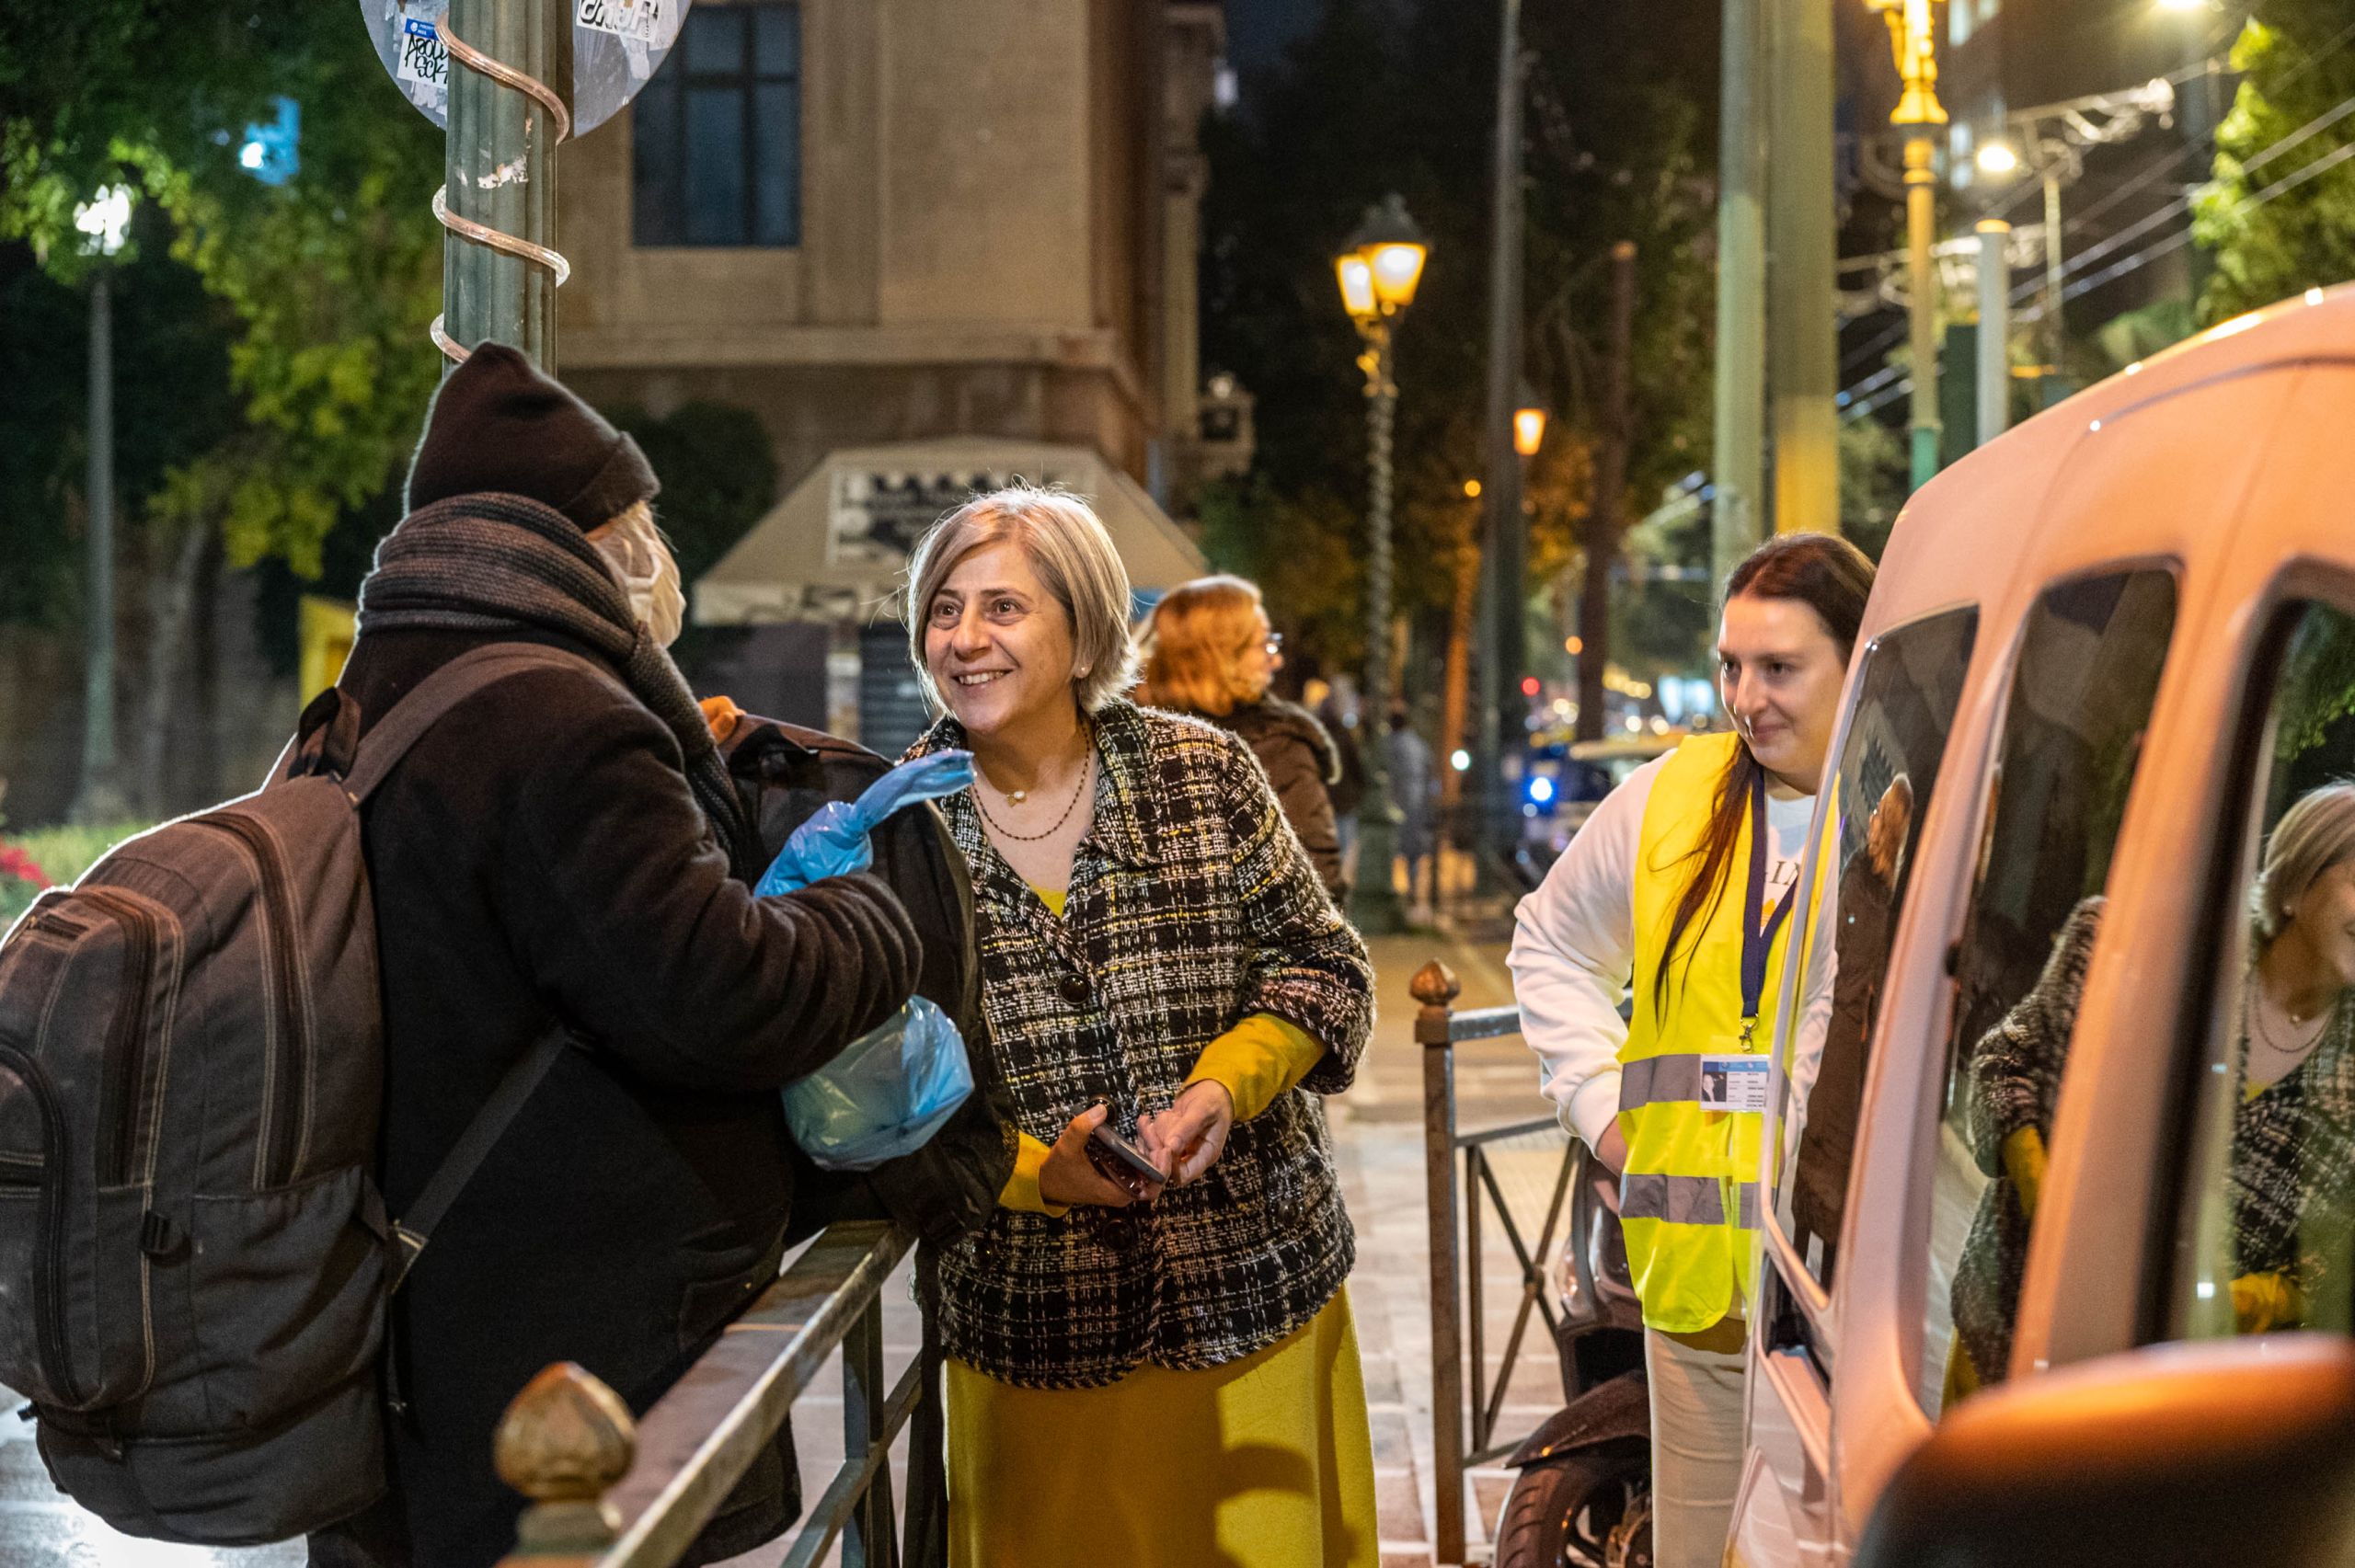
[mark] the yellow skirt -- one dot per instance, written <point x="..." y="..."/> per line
<point x="1266" y="1462"/>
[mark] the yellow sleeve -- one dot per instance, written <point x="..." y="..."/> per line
<point x="1022" y="1187"/>
<point x="1258" y="1059"/>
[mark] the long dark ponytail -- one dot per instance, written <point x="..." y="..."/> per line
<point x="1832" y="578"/>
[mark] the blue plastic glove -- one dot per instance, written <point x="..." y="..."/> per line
<point x="833" y="842"/>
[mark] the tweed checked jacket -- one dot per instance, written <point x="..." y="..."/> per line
<point x="1192" y="906"/>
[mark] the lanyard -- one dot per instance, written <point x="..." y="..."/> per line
<point x="1757" y="943"/>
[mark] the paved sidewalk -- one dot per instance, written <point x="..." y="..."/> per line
<point x="1378" y="1127"/>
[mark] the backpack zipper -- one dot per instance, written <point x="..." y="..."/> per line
<point x="288" y="1091"/>
<point x="49" y="1283"/>
<point x="126" y="1058"/>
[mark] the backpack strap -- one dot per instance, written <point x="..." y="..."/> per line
<point x="431" y="699"/>
<point x="413" y="1229"/>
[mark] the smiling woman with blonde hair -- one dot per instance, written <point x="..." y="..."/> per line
<point x="1160" y="1373"/>
<point x="1209" y="651"/>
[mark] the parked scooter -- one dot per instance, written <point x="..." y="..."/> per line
<point x="1583" y="1497"/>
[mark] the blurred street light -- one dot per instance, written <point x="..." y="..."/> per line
<point x="1997" y="159"/>
<point x="1528" y="424"/>
<point x="1378" y="270"/>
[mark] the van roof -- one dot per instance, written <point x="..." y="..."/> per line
<point x="2156" y="462"/>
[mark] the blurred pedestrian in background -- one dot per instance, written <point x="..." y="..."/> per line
<point x="1209" y="651"/>
<point x="1414" y="789"/>
<point x="1162" y="1374"/>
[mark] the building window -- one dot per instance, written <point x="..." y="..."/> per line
<point x="717" y="133"/>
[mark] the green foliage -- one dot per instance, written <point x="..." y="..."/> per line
<point x="2317" y="683"/>
<point x="1873" y="471"/>
<point x="719" y="475"/>
<point x="63" y="855"/>
<point x="2293" y="73"/>
<point x="329" y="279"/>
<point x="172" y="402"/>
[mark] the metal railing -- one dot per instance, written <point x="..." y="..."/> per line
<point x="1464" y="1429"/>
<point x="608" y="1493"/>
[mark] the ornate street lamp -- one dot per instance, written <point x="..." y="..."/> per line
<point x="1912" y="40"/>
<point x="1378" y="271"/>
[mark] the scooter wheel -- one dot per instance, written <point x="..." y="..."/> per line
<point x="1589" y="1510"/>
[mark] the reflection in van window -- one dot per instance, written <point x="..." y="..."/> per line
<point x="2089" y="668"/>
<point x="1906" y="691"/>
<point x="2275" y="1223"/>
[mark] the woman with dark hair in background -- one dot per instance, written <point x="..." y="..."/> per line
<point x="1684" y="880"/>
<point x="1209" y="651"/>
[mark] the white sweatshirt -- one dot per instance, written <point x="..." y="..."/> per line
<point x="1574" y="947"/>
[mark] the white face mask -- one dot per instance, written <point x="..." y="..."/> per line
<point x="641" y="562"/>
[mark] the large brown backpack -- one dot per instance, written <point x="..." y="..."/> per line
<point x="194" y="1260"/>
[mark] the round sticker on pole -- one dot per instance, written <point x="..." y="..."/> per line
<point x="617" y="45"/>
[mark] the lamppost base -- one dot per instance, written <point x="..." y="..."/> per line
<point x="1375" y="908"/>
<point x="98" y="805"/>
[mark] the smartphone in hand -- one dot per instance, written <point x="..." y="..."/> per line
<point x="1123" y="1163"/>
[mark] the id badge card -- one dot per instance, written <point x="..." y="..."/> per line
<point x="1734" y="1082"/>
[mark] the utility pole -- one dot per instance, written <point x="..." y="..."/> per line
<point x="1994" y="329"/>
<point x="1738" y="463"/>
<point x="1803" y="344"/>
<point x="105" y="220"/>
<point x="1912" y="37"/>
<point x="510" y="81"/>
<point x="1603" y="516"/>
<point x="99" y="799"/>
<point x="1503" y="589"/>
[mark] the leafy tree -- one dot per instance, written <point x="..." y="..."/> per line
<point x="2293" y="71"/>
<point x="330" y="278"/>
<point x="1380" y="97"/>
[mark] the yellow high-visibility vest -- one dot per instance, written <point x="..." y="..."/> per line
<point x="1688" y="1201"/>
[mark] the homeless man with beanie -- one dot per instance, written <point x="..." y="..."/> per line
<point x="563" y="850"/>
<point x="1166" y="1377"/>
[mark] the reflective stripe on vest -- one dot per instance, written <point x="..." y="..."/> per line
<point x="1690" y="1199"/>
<point x="1685" y="1200"/>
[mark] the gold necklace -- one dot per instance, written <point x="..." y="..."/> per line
<point x="1086" y="767"/>
<point x="2263" y="1032"/>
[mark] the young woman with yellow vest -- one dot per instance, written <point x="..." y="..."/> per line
<point x="1682" y="886"/>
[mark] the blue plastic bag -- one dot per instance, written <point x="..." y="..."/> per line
<point x="885" y="1095"/>
<point x="891" y="1088"/>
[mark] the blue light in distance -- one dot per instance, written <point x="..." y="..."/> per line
<point x="1540" y="789"/>
<point x="269" y="152"/>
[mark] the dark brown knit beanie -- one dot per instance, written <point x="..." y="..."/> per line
<point x="499" y="425"/>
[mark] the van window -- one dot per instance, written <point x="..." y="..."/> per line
<point x="2090" y="659"/>
<point x="2267" y="1239"/>
<point x="1906" y="691"/>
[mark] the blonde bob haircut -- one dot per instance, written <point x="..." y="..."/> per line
<point x="2315" y="834"/>
<point x="1193" y="645"/>
<point x="1068" y="547"/>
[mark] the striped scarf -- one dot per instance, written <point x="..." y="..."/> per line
<point x="501" y="563"/>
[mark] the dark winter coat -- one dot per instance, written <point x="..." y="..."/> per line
<point x="1303" y="766"/>
<point x="1191" y="908"/>
<point x="538" y="859"/>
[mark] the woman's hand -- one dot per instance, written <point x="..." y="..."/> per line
<point x="1613" y="1149"/>
<point x="1069" y="1176"/>
<point x="1189" y="1136"/>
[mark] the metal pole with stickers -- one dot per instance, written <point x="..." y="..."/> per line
<point x="509" y="80"/>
